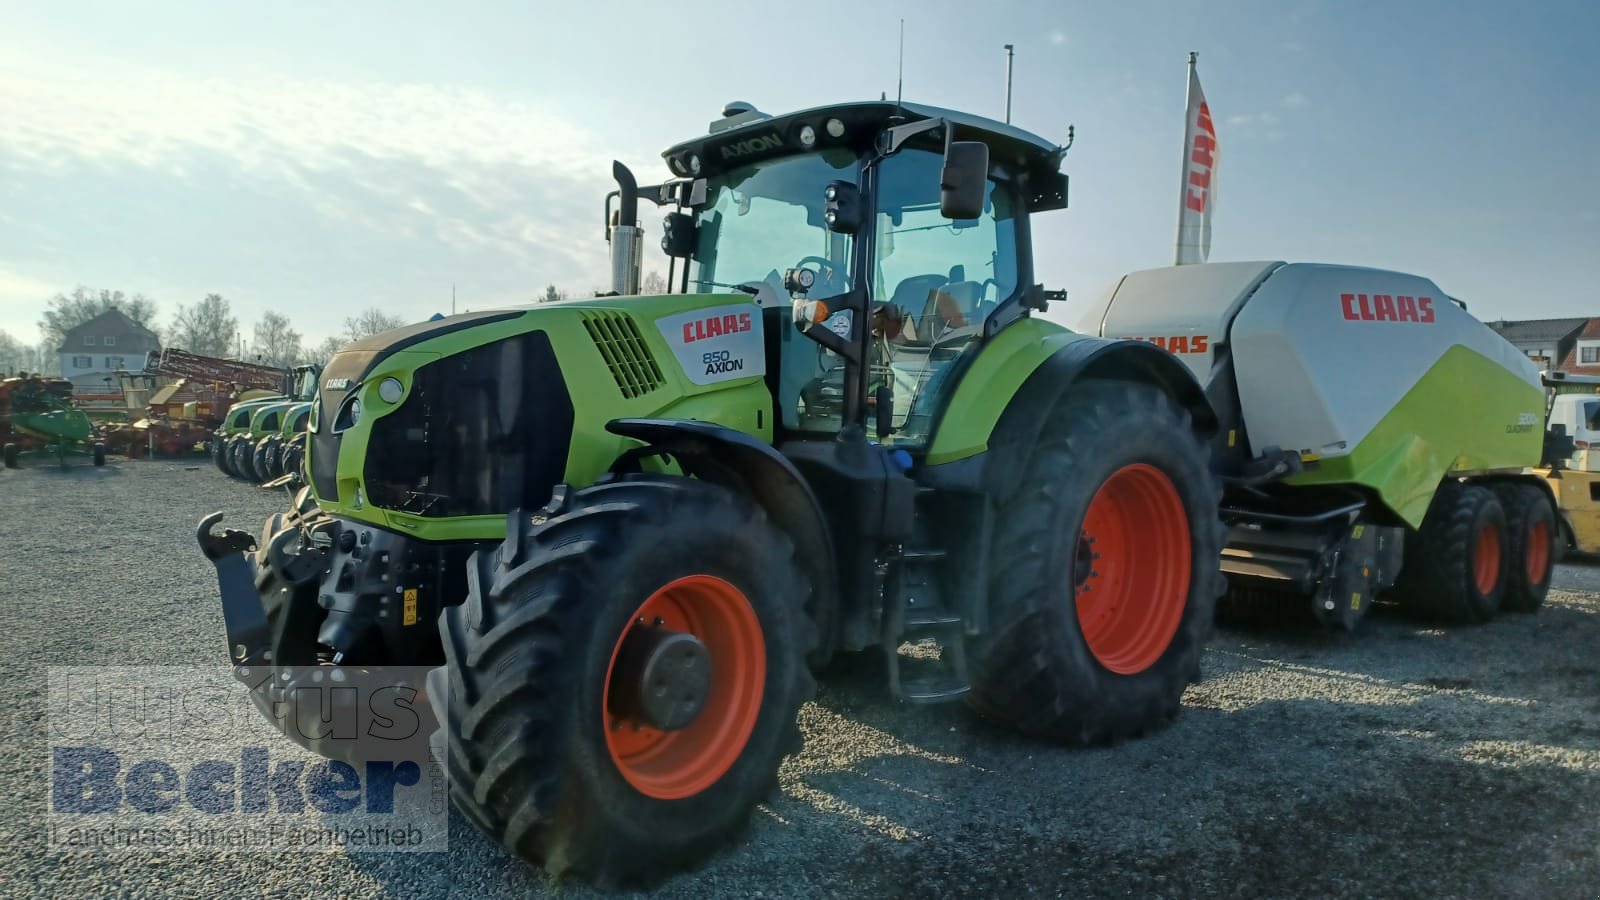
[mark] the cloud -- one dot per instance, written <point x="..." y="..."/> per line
<point x="313" y="198"/>
<point x="1249" y="119"/>
<point x="1058" y="38"/>
<point x="1294" y="100"/>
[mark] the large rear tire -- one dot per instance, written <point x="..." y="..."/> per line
<point x="1531" y="534"/>
<point x="1455" y="565"/>
<point x="1106" y="571"/>
<point x="543" y="753"/>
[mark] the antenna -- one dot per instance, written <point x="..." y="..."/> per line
<point x="1009" y="54"/>
<point x="900" y="87"/>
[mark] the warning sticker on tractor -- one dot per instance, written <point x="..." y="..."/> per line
<point x="717" y="344"/>
<point x="408" y="611"/>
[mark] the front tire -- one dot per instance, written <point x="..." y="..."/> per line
<point x="1455" y="565"/>
<point x="12" y="455"/>
<point x="544" y="753"/>
<point x="1531" y="537"/>
<point x="239" y="457"/>
<point x="97" y="454"/>
<point x="1107" y="571"/>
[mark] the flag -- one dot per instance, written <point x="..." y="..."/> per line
<point x="1198" y="198"/>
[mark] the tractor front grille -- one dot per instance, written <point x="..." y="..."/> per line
<point x="616" y="336"/>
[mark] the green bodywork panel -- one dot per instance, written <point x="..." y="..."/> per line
<point x="983" y="393"/>
<point x="258" y="419"/>
<point x="741" y="403"/>
<point x="55" y="425"/>
<point x="1462" y="417"/>
<point x="286" y="429"/>
<point x="229" y="428"/>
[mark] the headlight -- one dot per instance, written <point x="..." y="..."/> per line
<point x="390" y="390"/>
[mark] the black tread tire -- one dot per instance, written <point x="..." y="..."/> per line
<point x="261" y="457"/>
<point x="97" y="454"/>
<point x="12" y="456"/>
<point x="1033" y="670"/>
<point x="1526" y="505"/>
<point x="1436" y="580"/>
<point x="239" y="457"/>
<point x="219" y="456"/>
<point x="526" y="656"/>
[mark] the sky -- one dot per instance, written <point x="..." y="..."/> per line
<point x="317" y="159"/>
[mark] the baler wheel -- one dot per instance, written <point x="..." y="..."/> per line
<point x="1106" y="571"/>
<point x="582" y="732"/>
<point x="1457" y="563"/>
<point x="1531" y="532"/>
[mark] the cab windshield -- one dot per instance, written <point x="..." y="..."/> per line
<point x="765" y="218"/>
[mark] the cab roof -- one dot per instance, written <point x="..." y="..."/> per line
<point x="744" y="135"/>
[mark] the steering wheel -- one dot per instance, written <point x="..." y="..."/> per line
<point x="827" y="270"/>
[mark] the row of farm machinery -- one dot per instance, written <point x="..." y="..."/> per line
<point x="180" y="403"/>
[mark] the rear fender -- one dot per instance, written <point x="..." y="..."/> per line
<point x="1095" y="358"/>
<point x="716" y="453"/>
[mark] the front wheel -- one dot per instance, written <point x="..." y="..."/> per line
<point x="1106" y="571"/>
<point x="97" y="454"/>
<point x="625" y="677"/>
<point x="12" y="456"/>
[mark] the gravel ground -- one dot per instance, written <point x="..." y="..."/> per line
<point x="1401" y="761"/>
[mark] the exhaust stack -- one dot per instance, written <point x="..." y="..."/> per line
<point x="627" y="238"/>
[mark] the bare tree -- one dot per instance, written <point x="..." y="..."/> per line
<point x="276" y="343"/>
<point x="207" y="328"/>
<point x="653" y="284"/>
<point x="372" y="320"/>
<point x="321" y="353"/>
<point x="15" y="356"/>
<point x="64" y="312"/>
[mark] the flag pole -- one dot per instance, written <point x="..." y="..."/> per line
<point x="1183" y="169"/>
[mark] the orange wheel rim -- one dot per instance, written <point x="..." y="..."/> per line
<point x="1538" y="552"/>
<point x="1132" y="569"/>
<point x="1486" y="559"/>
<point x="672" y="765"/>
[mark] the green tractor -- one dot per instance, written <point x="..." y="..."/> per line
<point x="628" y="530"/>
<point x="280" y="452"/>
<point x="235" y="444"/>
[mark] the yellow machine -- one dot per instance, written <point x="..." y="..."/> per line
<point x="1576" y="488"/>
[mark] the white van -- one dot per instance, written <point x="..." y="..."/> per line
<point x="1580" y="413"/>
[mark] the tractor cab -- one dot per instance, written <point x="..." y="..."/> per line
<point x="894" y="236"/>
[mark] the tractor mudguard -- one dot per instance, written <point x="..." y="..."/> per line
<point x="243" y="617"/>
<point x="1020" y="424"/>
<point x="704" y="448"/>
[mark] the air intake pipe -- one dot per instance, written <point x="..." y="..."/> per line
<point x="627" y="238"/>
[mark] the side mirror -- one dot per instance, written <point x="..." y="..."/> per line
<point x="842" y="209"/>
<point x="964" y="179"/>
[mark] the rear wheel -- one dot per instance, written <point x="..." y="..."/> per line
<point x="1456" y="565"/>
<point x="624" y="678"/>
<point x="1106" y="570"/>
<point x="1531" y="538"/>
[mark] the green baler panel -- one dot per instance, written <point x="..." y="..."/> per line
<point x="1467" y="414"/>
